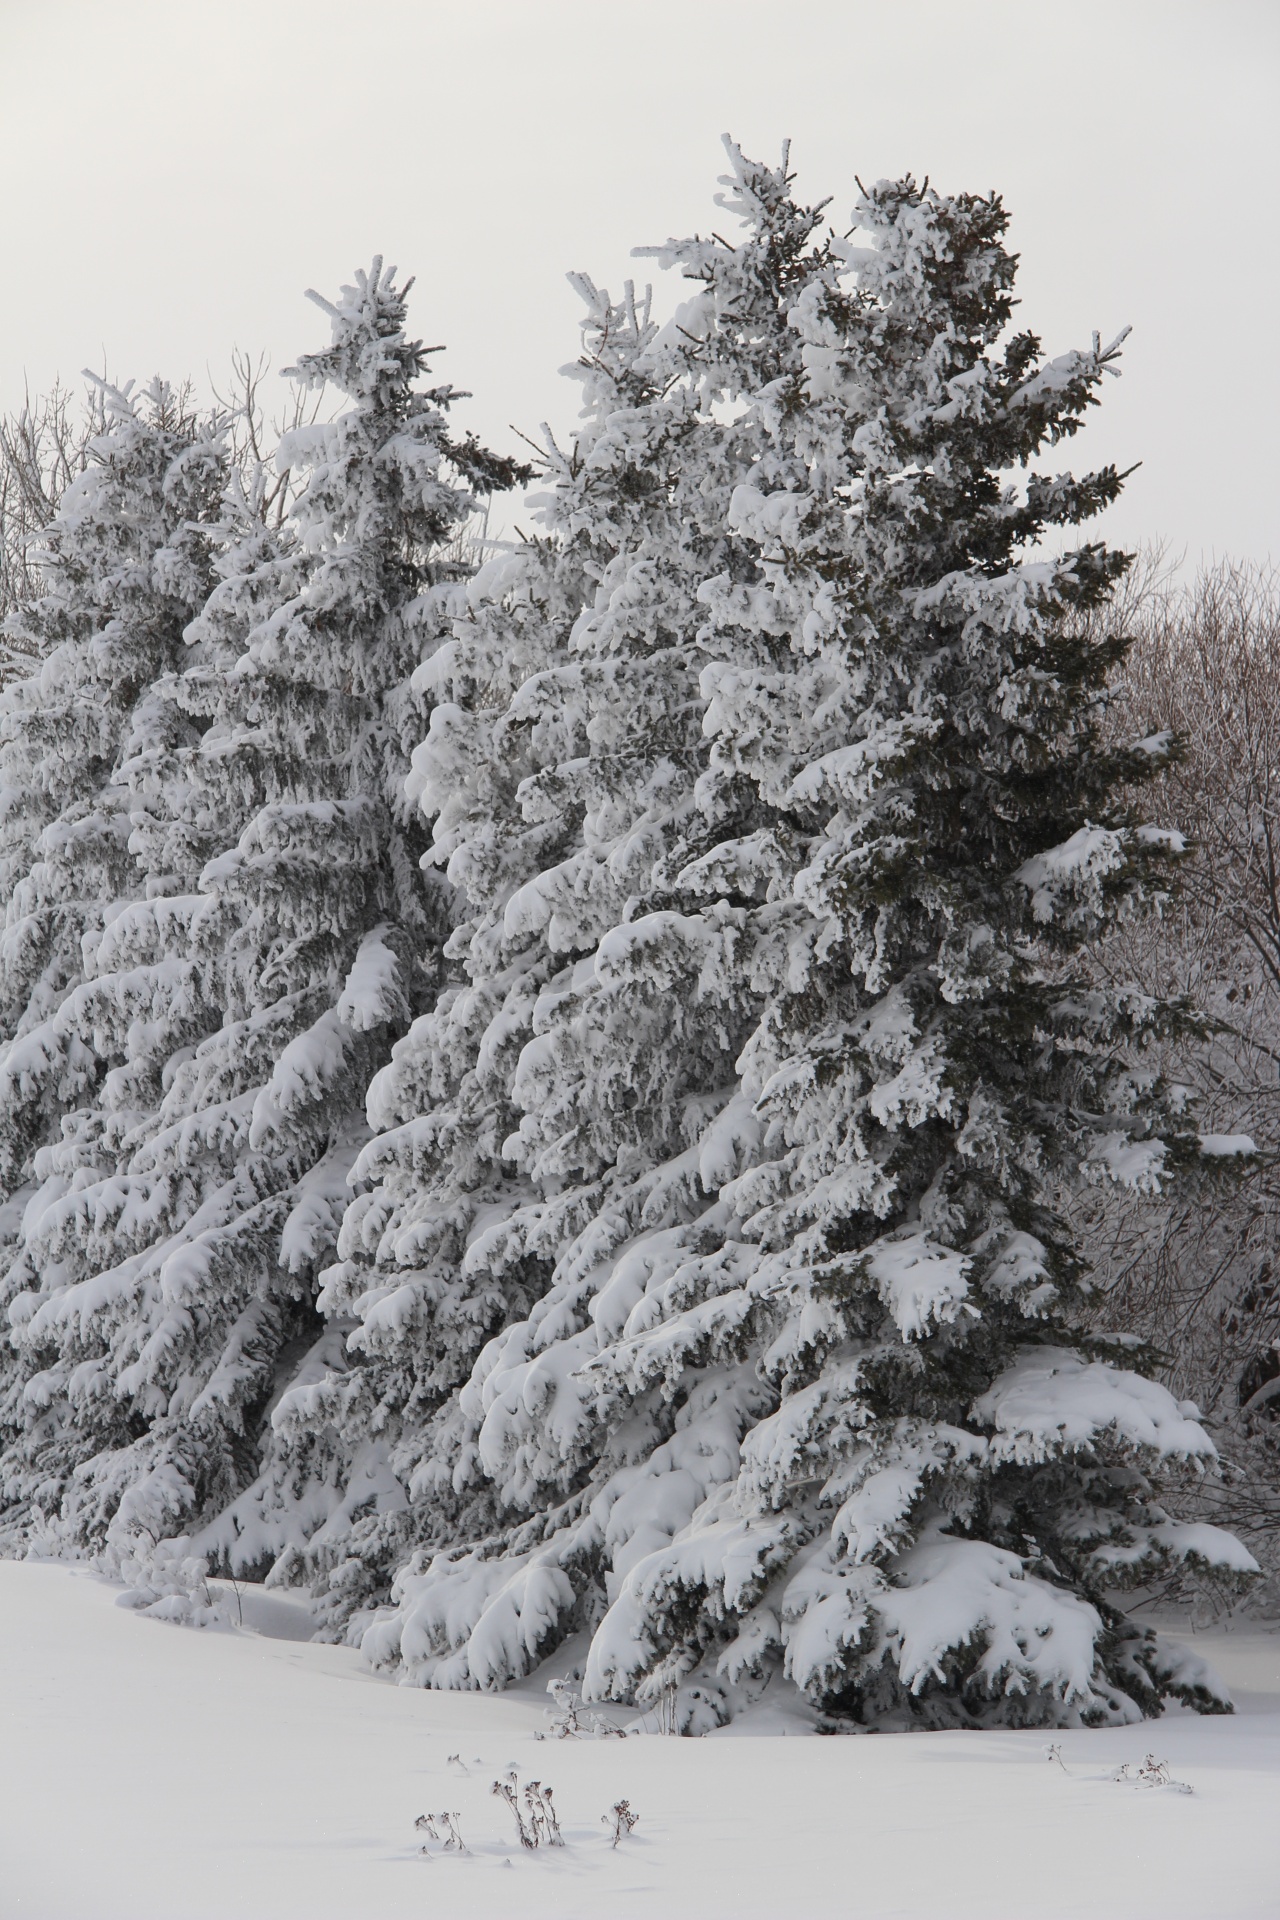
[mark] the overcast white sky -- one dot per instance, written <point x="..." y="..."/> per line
<point x="176" y="172"/>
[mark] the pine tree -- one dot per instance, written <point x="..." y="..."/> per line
<point x="126" y="561"/>
<point x="810" y="1391"/>
<point x="569" y="732"/>
<point x="286" y="935"/>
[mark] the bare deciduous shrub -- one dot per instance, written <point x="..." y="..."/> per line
<point x="1196" y="1273"/>
<point x="43" y="446"/>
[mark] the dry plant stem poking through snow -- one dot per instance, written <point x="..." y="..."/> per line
<point x="542" y="1828"/>
<point x="1152" y="1773"/>
<point x="542" y="1815"/>
<point x="620" y="1820"/>
<point x="443" y="1828"/>
<point x="506" y="1790"/>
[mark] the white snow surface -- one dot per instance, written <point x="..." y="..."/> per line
<point x="161" y="1773"/>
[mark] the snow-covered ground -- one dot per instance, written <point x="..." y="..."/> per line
<point x="161" y="1773"/>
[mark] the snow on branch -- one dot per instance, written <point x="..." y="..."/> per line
<point x="1051" y="1399"/>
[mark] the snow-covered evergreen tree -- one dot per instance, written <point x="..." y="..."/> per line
<point x="566" y="732"/>
<point x="125" y="563"/>
<point x="791" y="1030"/>
<point x="285" y="936"/>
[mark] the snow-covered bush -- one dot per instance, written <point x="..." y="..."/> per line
<point x="771" y="1060"/>
<point x="281" y="935"/>
<point x="164" y="1580"/>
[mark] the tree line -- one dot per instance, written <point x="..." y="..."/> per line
<point x="676" y="1076"/>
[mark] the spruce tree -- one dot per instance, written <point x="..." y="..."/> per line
<point x="810" y="1392"/>
<point x="566" y="730"/>
<point x="125" y="562"/>
<point x="286" y="936"/>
